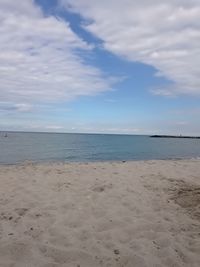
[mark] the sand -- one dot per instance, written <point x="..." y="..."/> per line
<point x="122" y="214"/>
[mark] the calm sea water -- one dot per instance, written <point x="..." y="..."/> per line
<point x="18" y="147"/>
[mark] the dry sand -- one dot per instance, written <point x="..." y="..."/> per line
<point x="100" y="214"/>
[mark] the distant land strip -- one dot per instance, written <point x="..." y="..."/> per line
<point x="175" y="136"/>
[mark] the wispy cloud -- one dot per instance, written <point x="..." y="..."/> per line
<point x="40" y="59"/>
<point x="21" y="107"/>
<point x="165" y="35"/>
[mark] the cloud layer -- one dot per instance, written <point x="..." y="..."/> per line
<point x="40" y="59"/>
<point x="163" y="34"/>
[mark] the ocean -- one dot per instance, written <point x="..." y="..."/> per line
<point x="18" y="147"/>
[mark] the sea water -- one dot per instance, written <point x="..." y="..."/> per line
<point x="18" y="147"/>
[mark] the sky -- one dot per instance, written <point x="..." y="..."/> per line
<point x="109" y="66"/>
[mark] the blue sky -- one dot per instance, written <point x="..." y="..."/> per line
<point x="100" y="66"/>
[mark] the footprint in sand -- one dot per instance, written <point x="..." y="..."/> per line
<point x="21" y="211"/>
<point x="67" y="256"/>
<point x="102" y="188"/>
<point x="6" y="216"/>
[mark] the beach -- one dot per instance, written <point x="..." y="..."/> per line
<point x="123" y="214"/>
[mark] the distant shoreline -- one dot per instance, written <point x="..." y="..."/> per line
<point x="175" y="136"/>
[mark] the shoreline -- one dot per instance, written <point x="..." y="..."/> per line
<point x="133" y="213"/>
<point x="94" y="161"/>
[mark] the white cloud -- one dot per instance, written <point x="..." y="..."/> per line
<point x="40" y="59"/>
<point x="164" y="34"/>
<point x="53" y="127"/>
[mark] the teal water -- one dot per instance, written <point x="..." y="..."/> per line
<point x="18" y="147"/>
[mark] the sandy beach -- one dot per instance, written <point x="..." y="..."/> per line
<point x="123" y="214"/>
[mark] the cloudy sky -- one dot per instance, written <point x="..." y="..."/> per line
<point x="109" y="66"/>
